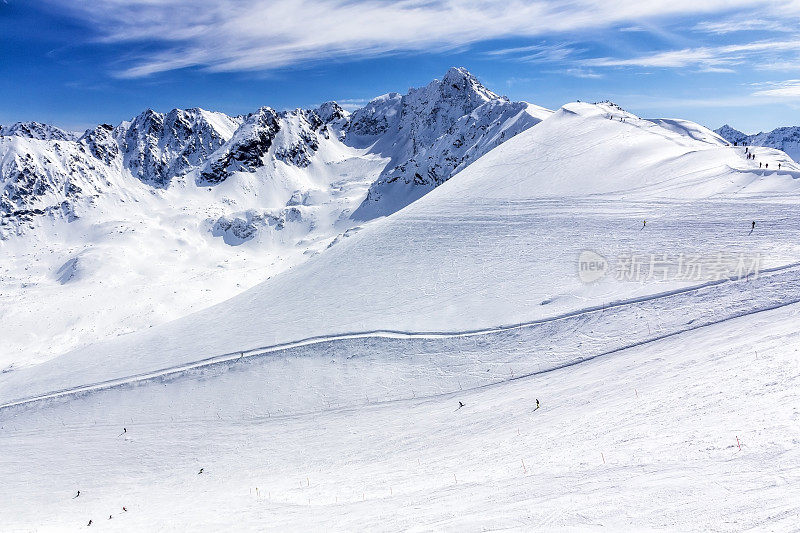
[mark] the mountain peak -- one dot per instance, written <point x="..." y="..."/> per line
<point x="37" y="130"/>
<point x="461" y="79"/>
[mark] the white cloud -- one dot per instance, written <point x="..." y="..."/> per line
<point x="782" y="89"/>
<point x="706" y="58"/>
<point x="538" y="53"/>
<point x="351" y="104"/>
<point x="740" y="23"/>
<point x="234" y="35"/>
<point x="581" y="73"/>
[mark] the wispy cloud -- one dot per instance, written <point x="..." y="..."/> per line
<point x="743" y="23"/>
<point x="580" y="72"/>
<point x="351" y="104"/>
<point x="707" y="59"/>
<point x="241" y="35"/>
<point x="781" y="89"/>
<point x="537" y="53"/>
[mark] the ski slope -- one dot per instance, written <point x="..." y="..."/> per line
<point x="639" y="439"/>
<point x="327" y="396"/>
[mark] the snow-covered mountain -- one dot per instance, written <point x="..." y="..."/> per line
<point x="427" y="135"/>
<point x="37" y="130"/>
<point x="786" y="139"/>
<point x="471" y="265"/>
<point x="399" y="372"/>
<point x="432" y="133"/>
<point x="279" y="186"/>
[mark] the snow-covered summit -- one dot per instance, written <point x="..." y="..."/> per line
<point x="37" y="130"/>
<point x="431" y="133"/>
<point x="158" y="147"/>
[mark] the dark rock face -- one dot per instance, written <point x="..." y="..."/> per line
<point x="247" y="148"/>
<point x="141" y="146"/>
<point x="303" y="141"/>
<point x="28" y="191"/>
<point x="101" y="143"/>
<point x="240" y="228"/>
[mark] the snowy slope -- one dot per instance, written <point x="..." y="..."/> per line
<point x="784" y="139"/>
<point x="665" y="404"/>
<point x="496" y="246"/>
<point x="656" y="436"/>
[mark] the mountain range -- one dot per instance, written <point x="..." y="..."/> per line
<point x="423" y="138"/>
<point x="786" y="139"/>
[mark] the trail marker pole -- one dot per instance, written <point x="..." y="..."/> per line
<point x="738" y="443"/>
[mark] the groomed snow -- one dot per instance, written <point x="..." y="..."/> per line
<point x="645" y="438"/>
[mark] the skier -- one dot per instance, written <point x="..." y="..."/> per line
<point x="779" y="166"/>
<point x="460" y="405"/>
<point x="644" y="223"/>
<point x="752" y="227"/>
<point x="537" y="404"/>
<point x="124" y="430"/>
<point x="79" y="493"/>
<point x="109" y="517"/>
<point x="759" y="164"/>
<point x="89" y="524"/>
<point x="200" y="472"/>
<point x="766" y="165"/>
<point x="124" y="509"/>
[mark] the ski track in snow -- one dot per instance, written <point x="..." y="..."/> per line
<point x="772" y="276"/>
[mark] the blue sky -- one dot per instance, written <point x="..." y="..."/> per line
<point x="76" y="63"/>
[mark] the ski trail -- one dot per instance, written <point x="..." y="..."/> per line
<point x="405" y="335"/>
